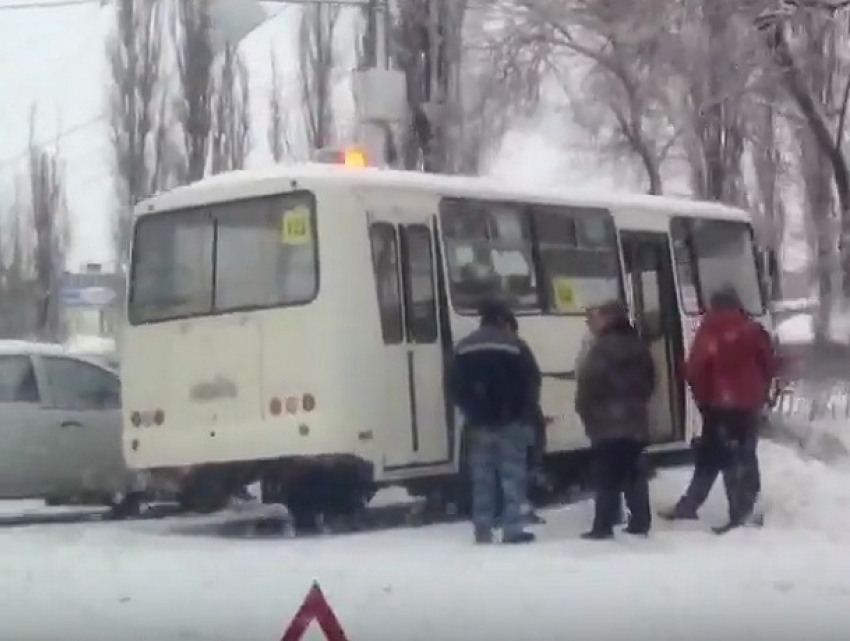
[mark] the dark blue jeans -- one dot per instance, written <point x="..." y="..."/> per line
<point x="498" y="457"/>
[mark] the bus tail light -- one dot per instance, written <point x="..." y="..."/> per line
<point x="308" y="402"/>
<point x="136" y="419"/>
<point x="291" y="404"/>
<point x="275" y="406"/>
<point x="158" y="417"/>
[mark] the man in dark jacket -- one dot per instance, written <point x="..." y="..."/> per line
<point x="493" y="385"/>
<point x="730" y="371"/>
<point x="615" y="382"/>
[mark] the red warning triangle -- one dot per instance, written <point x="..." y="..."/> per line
<point x="315" y="608"/>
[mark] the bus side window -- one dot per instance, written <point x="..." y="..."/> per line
<point x="578" y="256"/>
<point x="420" y="297"/>
<point x="384" y="242"/>
<point x="717" y="253"/>
<point x="686" y="268"/>
<point x="489" y="253"/>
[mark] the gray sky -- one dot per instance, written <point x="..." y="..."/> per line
<point x="56" y="58"/>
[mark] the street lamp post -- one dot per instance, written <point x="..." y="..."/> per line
<point x="380" y="92"/>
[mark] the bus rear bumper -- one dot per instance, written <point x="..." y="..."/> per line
<point x="179" y="449"/>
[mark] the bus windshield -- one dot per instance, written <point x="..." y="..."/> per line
<point x="537" y="258"/>
<point x="224" y="257"/>
<point x="713" y="253"/>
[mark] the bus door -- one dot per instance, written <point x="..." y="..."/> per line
<point x="651" y="292"/>
<point x="419" y="435"/>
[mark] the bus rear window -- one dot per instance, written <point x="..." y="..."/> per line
<point x="711" y="254"/>
<point x="235" y="256"/>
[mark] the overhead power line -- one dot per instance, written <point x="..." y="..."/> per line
<point x="54" y="140"/>
<point x="46" y="4"/>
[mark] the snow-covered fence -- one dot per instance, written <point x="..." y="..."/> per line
<point x="810" y="402"/>
<point x="813" y="417"/>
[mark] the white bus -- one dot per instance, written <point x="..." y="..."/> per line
<point x="293" y="324"/>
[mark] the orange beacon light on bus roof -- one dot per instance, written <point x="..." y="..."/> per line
<point x="354" y="158"/>
<point x="351" y="157"/>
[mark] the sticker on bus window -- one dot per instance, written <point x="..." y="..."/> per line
<point x="565" y="295"/>
<point x="295" y="226"/>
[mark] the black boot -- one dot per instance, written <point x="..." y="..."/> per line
<point x="607" y="506"/>
<point x="750" y="519"/>
<point x="636" y="530"/>
<point x="678" y="512"/>
<point x="637" y="502"/>
<point x="723" y="529"/>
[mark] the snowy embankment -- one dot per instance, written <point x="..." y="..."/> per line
<point x="807" y="494"/>
<point x="814" y="407"/>
<point x="148" y="580"/>
<point x="795" y="322"/>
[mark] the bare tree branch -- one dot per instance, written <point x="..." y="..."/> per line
<point x="195" y="61"/>
<point x="280" y="143"/>
<point x="317" y="59"/>
<point x="134" y="54"/>
<point x="819" y="151"/>
<point x="48" y="207"/>
<point x="231" y="126"/>
<point x="622" y="50"/>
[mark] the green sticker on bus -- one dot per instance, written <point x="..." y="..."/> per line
<point x="295" y="226"/>
<point x="565" y="295"/>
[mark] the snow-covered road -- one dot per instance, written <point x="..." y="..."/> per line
<point x="146" y="581"/>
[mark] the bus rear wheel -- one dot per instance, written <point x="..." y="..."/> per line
<point x="203" y="494"/>
<point x="324" y="495"/>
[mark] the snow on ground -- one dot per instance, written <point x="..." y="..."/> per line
<point x="795" y="330"/>
<point x="147" y="581"/>
<point x="794" y="304"/>
<point x="829" y="444"/>
<point x="38" y="509"/>
<point x="799" y="328"/>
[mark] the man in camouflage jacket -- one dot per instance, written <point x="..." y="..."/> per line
<point x="615" y="382"/>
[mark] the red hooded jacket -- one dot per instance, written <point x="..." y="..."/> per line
<point x="732" y="363"/>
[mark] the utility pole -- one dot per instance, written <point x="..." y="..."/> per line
<point x="380" y="92"/>
<point x="431" y="31"/>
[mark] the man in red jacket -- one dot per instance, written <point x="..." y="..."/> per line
<point x="730" y="370"/>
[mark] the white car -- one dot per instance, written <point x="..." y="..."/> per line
<point x="60" y="427"/>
